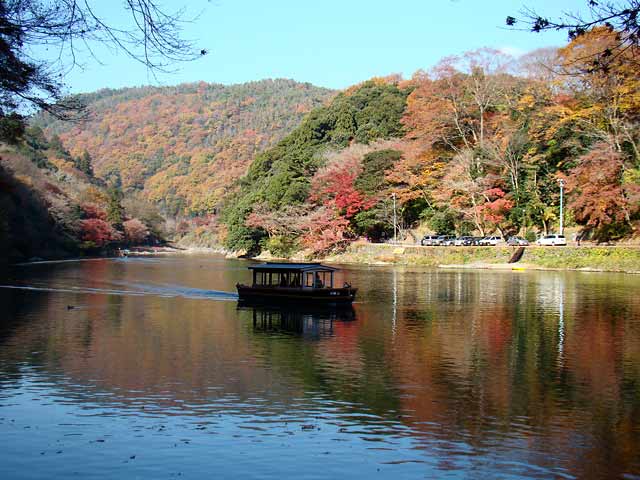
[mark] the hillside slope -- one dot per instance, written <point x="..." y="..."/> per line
<point x="316" y="165"/>
<point x="42" y="195"/>
<point x="182" y="147"/>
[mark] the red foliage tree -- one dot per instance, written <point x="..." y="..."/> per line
<point x="93" y="211"/>
<point x="496" y="208"/>
<point x="286" y="221"/>
<point x="98" y="232"/>
<point x="135" y="231"/>
<point x="334" y="185"/>
<point x="325" y="231"/>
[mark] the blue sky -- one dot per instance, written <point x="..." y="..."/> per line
<point x="331" y="43"/>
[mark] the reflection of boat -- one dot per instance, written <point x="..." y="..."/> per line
<point x="295" y="282"/>
<point x="298" y="319"/>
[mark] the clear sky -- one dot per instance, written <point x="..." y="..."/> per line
<point x="330" y="43"/>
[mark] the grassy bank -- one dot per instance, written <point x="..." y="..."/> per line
<point x="612" y="259"/>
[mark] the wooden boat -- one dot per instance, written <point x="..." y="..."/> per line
<point x="295" y="282"/>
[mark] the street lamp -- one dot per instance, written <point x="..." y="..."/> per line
<point x="561" y="182"/>
<point x="395" y="222"/>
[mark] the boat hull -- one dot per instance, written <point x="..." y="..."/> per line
<point x="279" y="295"/>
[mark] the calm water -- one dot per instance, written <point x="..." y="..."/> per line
<point x="156" y="373"/>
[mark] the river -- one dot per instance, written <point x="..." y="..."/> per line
<point x="147" y="368"/>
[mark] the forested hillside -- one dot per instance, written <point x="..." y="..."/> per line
<point x="183" y="147"/>
<point x="478" y="144"/>
<point x="312" y="167"/>
<point x="52" y="205"/>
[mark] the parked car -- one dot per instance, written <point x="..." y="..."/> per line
<point x="553" y="239"/>
<point x="428" y="240"/>
<point x="445" y="240"/>
<point x="463" y="241"/>
<point x="491" y="241"/>
<point x="517" y="242"/>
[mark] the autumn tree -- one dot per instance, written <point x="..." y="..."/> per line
<point x="463" y="133"/>
<point x="463" y="188"/>
<point x="602" y="197"/>
<point x="98" y="233"/>
<point x="565" y="117"/>
<point x="507" y="152"/>
<point x="277" y="223"/>
<point x="324" y="231"/>
<point x="495" y="211"/>
<point x="452" y="105"/>
<point x="334" y="184"/>
<point x="622" y="17"/>
<point x="135" y="231"/>
<point x="282" y="175"/>
<point x="608" y="102"/>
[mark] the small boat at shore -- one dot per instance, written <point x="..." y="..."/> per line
<point x="295" y="282"/>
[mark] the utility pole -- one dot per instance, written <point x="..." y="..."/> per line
<point x="561" y="182"/>
<point x="395" y="221"/>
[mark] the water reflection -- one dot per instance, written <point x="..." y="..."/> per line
<point x="310" y="322"/>
<point x="431" y="372"/>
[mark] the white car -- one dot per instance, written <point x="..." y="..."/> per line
<point x="491" y="241"/>
<point x="553" y="239"/>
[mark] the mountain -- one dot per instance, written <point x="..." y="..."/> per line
<point x="183" y="147"/>
<point x="316" y="167"/>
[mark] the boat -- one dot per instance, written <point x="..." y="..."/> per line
<point x="278" y="283"/>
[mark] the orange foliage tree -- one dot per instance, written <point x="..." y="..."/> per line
<point x="599" y="196"/>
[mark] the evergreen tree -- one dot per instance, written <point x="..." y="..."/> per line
<point x="115" y="211"/>
<point x="84" y="163"/>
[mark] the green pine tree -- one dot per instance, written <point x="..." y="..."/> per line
<point x="85" y="163"/>
<point x="115" y="210"/>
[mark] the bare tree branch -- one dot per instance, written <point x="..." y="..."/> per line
<point x="621" y="17"/>
<point x="151" y="36"/>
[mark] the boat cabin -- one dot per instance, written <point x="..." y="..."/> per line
<point x="311" y="283"/>
<point x="292" y="275"/>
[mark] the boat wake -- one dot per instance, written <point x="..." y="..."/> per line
<point x="139" y="290"/>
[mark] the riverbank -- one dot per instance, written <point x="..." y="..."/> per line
<point x="625" y="259"/>
<point x="586" y="258"/>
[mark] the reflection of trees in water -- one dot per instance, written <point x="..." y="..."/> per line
<point x="479" y="358"/>
<point x="508" y="353"/>
<point x="328" y="354"/>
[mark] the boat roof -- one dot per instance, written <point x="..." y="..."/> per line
<point x="292" y="267"/>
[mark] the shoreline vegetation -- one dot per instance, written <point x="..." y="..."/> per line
<point x="614" y="259"/>
<point x="481" y="145"/>
<point x="623" y="259"/>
